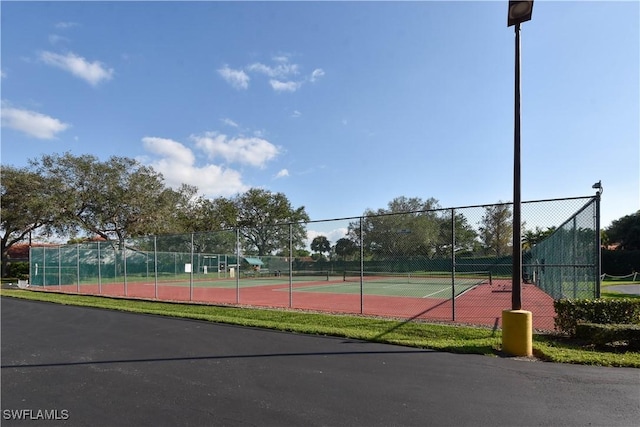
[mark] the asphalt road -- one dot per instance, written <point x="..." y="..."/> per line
<point x="97" y="367"/>
<point x="624" y="289"/>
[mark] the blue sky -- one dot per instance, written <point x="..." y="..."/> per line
<point x="342" y="106"/>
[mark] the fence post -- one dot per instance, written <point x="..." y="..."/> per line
<point x="237" y="265"/>
<point x="598" y="248"/>
<point x="124" y="257"/>
<point x="44" y="267"/>
<point x="155" y="266"/>
<point x="290" y="265"/>
<point x="78" y="267"/>
<point x="361" y="267"/>
<point x="575" y="258"/>
<point x="191" y="272"/>
<point x="59" y="268"/>
<point x="99" y="271"/>
<point x="453" y="265"/>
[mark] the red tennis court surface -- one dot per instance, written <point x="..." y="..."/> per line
<point x="480" y="305"/>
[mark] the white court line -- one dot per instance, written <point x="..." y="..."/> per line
<point x="434" y="293"/>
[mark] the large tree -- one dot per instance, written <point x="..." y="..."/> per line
<point x="496" y="229"/>
<point x="345" y="248"/>
<point x="530" y="238"/>
<point x="115" y="199"/>
<point x="408" y="226"/>
<point x="465" y="235"/>
<point x="264" y="219"/>
<point x="626" y="232"/>
<point x="28" y="206"/>
<point x="321" y="244"/>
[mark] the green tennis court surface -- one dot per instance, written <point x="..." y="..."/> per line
<point x="414" y="285"/>
<point x="414" y="290"/>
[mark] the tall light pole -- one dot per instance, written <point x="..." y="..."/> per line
<point x="519" y="12"/>
<point x="517" y="324"/>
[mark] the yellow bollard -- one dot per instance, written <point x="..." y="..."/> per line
<point x="517" y="332"/>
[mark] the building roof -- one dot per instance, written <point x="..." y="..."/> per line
<point x="253" y="261"/>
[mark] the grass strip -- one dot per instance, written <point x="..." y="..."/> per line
<point x="450" y="338"/>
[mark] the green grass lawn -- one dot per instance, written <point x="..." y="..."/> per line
<point x="442" y="337"/>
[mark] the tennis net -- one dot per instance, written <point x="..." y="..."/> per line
<point x="423" y="277"/>
<point x="296" y="275"/>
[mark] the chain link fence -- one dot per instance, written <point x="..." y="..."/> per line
<point x="451" y="265"/>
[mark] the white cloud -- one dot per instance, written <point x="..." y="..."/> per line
<point x="55" y="39"/>
<point x="229" y="122"/>
<point x="316" y="74"/>
<point x="3" y="74"/>
<point x="282" y="74"/>
<point x="176" y="163"/>
<point x="236" y="78"/>
<point x="252" y="151"/>
<point x="281" y="70"/>
<point x="32" y="123"/>
<point x="92" y="72"/>
<point x="169" y="149"/>
<point x="64" y="25"/>
<point x="283" y="173"/>
<point x="296" y="114"/>
<point x="279" y="86"/>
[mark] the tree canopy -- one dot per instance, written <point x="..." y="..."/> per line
<point x="626" y="232"/>
<point x="408" y="226"/>
<point x="496" y="230"/>
<point x="321" y="244"/>
<point x="265" y="218"/>
<point x="115" y="199"/>
<point x="28" y="205"/>
<point x="120" y="199"/>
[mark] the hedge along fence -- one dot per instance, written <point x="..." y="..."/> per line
<point x="570" y="313"/>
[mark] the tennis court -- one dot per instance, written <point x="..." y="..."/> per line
<point x="413" y="285"/>
<point x="397" y="276"/>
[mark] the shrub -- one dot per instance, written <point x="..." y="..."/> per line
<point x="18" y="269"/>
<point x="601" y="311"/>
<point x="608" y="334"/>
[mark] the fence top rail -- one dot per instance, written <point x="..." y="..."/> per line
<point x="446" y="209"/>
<point x="351" y="218"/>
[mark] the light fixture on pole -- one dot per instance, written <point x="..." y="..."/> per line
<point x="519" y="12"/>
